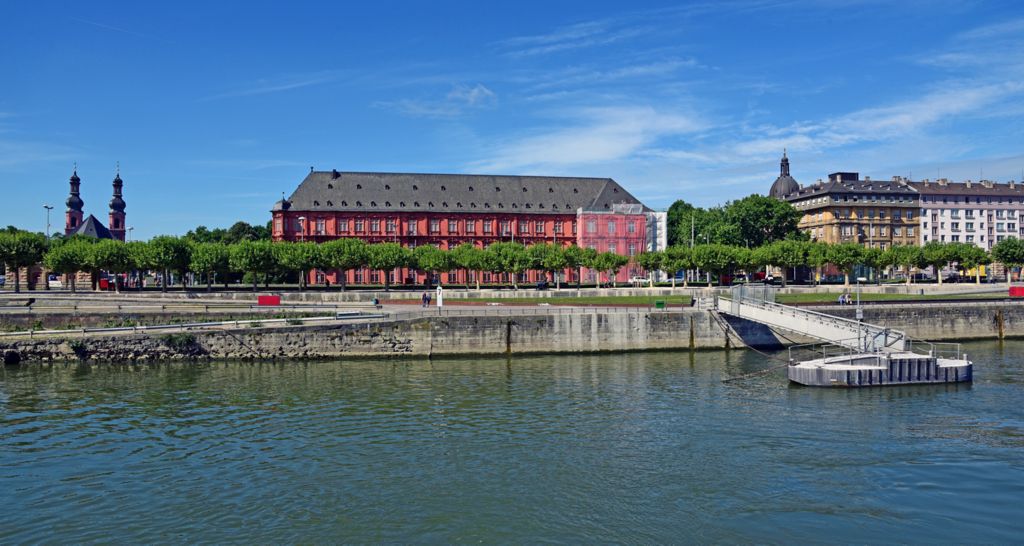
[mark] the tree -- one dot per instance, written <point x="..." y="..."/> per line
<point x="783" y="254"/>
<point x="68" y="259"/>
<point x="385" y="257"/>
<point x="168" y="253"/>
<point x="208" y="259"/>
<point x="431" y="260"/>
<point x="845" y="256"/>
<point x="298" y="257"/>
<point x="761" y="220"/>
<point x="467" y="256"/>
<point x="969" y="256"/>
<point x="575" y="257"/>
<point x="714" y="258"/>
<point x="344" y="255"/>
<point x="1010" y="253"/>
<point x="253" y="257"/>
<point x="677" y="258"/>
<point x="872" y="258"/>
<point x="651" y="262"/>
<point x="938" y="255"/>
<point x="512" y="259"/>
<point x="817" y="257"/>
<point x="890" y="258"/>
<point x="111" y="256"/>
<point x="21" y="249"/>
<point x="549" y="258"/>
<point x="609" y="263"/>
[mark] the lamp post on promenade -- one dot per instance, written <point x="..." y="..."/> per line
<point x="48" y="209"/>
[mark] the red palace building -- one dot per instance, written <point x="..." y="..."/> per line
<point x="446" y="210"/>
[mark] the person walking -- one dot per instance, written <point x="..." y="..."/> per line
<point x="424" y="299"/>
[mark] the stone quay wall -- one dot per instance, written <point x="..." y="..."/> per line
<point x="579" y="332"/>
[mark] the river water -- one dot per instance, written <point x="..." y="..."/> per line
<point x="633" y="448"/>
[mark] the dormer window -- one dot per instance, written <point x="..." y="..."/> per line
<point x="524" y="189"/>
<point x="387" y="203"/>
<point x="344" y="203"/>
<point x="459" y="204"/>
<point x="443" y="188"/>
<point x="540" y="205"/>
<point x="554" y="206"/>
<point x="373" y="203"/>
<point x="387" y="186"/>
<point x="430" y="204"/>
<point x="415" y="203"/>
<point x="551" y="190"/>
<point x="401" y="203"/>
<point x="487" y="205"/>
<point x="330" y="204"/>
<point x="415" y="187"/>
<point x="444" y="204"/>
<point x="359" y="203"/>
<point x="501" y="205"/>
<point x="471" y="188"/>
<point x="527" y="205"/>
<point x="316" y="203"/>
<point x="472" y="205"/>
<point x="575" y="190"/>
<point x="496" y="188"/>
<point x="359" y="186"/>
<point x="515" y="206"/>
<point x="330" y="186"/>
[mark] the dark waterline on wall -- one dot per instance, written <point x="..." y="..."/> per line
<point x="636" y="448"/>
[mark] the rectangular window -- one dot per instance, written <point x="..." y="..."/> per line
<point x="359" y="226"/>
<point x="558" y="228"/>
<point x="956" y="238"/>
<point x="631" y="227"/>
<point x="591" y="226"/>
<point x="970" y="238"/>
<point x="277" y="225"/>
<point x="897" y="231"/>
<point x="955" y="226"/>
<point x="506" y="227"/>
<point x="611" y="248"/>
<point x="999" y="226"/>
<point x="453" y="226"/>
<point x="632" y="248"/>
<point x="574" y="227"/>
<point x="471" y="227"/>
<point x="298" y="226"/>
<point x="412" y="227"/>
<point x="611" y="228"/>
<point x="321" y="226"/>
<point x="435" y="226"/>
<point x="910" y="231"/>
<point x="910" y="215"/>
<point x="538" y="228"/>
<point x="390" y="225"/>
<point x="488" y="226"/>
<point x="342" y="226"/>
<point x="375" y="226"/>
<point x="524" y="227"/>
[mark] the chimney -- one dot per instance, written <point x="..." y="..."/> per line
<point x="335" y="174"/>
<point x="968" y="184"/>
<point x="867" y="178"/>
<point x="945" y="181"/>
<point x="1012" y="184"/>
<point x="987" y="183"/>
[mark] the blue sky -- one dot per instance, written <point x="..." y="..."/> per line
<point x="213" y="109"/>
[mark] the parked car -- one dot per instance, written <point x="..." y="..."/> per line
<point x="639" y="280"/>
<point x="922" y="277"/>
<point x="3" y="280"/>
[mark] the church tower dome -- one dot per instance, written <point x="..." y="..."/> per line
<point x="784" y="184"/>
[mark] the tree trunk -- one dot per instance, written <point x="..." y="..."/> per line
<point x="977" y="275"/>
<point x="674" y="281"/>
<point x="387" y="281"/>
<point x="343" y="279"/>
<point x="478" y="275"/>
<point x="209" y="282"/>
<point x="938" y="275"/>
<point x="163" y="283"/>
<point x="783" y="275"/>
<point x="558" y="280"/>
<point x="72" y="281"/>
<point x="255" y="281"/>
<point x="17" y="280"/>
<point x="846" y="278"/>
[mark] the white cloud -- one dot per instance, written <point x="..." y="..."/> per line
<point x="284" y="83"/>
<point x="594" y="135"/>
<point x="459" y="99"/>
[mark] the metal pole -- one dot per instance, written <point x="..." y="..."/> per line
<point x="48" y="209"/>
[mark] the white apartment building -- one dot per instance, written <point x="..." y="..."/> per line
<point x="981" y="213"/>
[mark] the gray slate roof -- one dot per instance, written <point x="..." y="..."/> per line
<point x="331" y="191"/>
<point x="976" y="189"/>
<point x="92" y="227"/>
<point x="883" y="187"/>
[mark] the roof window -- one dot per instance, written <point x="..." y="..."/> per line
<point x="344" y="203"/>
<point x="330" y="204"/>
<point x="443" y="188"/>
<point x="316" y="203"/>
<point x="330" y="186"/>
<point x="524" y="189"/>
<point x="359" y="186"/>
<point x="373" y="203"/>
<point x="359" y="203"/>
<point x="387" y="186"/>
<point x="415" y="187"/>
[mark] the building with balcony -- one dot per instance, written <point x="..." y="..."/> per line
<point x="846" y="208"/>
<point x="446" y="210"/>
<point x="980" y="213"/>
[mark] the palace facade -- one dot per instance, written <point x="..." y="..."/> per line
<point x="446" y="210"/>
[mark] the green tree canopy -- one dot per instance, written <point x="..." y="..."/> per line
<point x="385" y="257"/>
<point x="254" y="257"/>
<point x="1010" y="253"/>
<point x="845" y="256"/>
<point x="511" y="258"/>
<point x="208" y="259"/>
<point x="68" y="259"/>
<point x="345" y="255"/>
<point x="299" y="258"/>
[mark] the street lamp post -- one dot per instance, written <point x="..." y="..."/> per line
<point x="860" y="316"/>
<point x="302" y="228"/>
<point x="130" y="233"/>
<point x="48" y="209"/>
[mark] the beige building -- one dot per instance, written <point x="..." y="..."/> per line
<point x="844" y="209"/>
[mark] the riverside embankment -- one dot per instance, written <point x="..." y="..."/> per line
<point x="456" y="331"/>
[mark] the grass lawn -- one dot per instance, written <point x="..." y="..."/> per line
<point x="832" y="297"/>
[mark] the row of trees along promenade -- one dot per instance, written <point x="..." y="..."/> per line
<point x="260" y="259"/>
